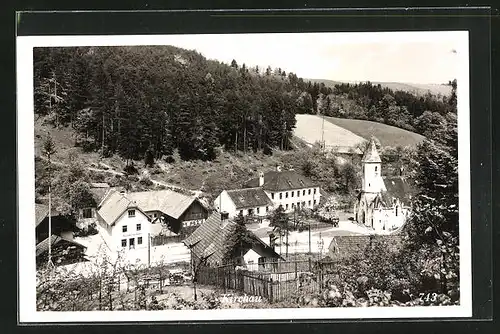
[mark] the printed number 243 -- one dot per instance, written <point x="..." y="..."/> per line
<point x="428" y="297"/>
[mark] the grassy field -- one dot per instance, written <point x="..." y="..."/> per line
<point x="386" y="134"/>
<point x="309" y="129"/>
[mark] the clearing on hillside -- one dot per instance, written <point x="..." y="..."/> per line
<point x="309" y="129"/>
<point x="387" y="135"/>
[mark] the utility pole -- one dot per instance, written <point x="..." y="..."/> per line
<point x="149" y="249"/>
<point x="286" y="231"/>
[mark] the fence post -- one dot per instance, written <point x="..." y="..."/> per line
<point x="310" y="265"/>
<point x="270" y="285"/>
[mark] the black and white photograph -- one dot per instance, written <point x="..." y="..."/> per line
<point x="221" y="176"/>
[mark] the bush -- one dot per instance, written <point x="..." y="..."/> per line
<point x="131" y="170"/>
<point x="91" y="229"/>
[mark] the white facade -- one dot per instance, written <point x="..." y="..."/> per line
<point x="130" y="231"/>
<point x="224" y="203"/>
<point x="372" y="178"/>
<point x="290" y="199"/>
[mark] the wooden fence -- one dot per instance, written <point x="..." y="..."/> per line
<point x="286" y="281"/>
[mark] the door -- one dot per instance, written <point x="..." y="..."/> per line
<point x="131" y="243"/>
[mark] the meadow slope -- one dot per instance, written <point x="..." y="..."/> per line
<point x="387" y="135"/>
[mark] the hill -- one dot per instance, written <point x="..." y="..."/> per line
<point x="309" y="129"/>
<point x="417" y="89"/>
<point x="386" y="134"/>
<point x="348" y="133"/>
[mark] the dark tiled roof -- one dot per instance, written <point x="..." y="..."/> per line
<point x="284" y="180"/>
<point x="397" y="187"/>
<point x="347" y="247"/>
<point x="55" y="240"/>
<point x="209" y="240"/>
<point x="42" y="212"/>
<point x="249" y="198"/>
<point x="371" y="154"/>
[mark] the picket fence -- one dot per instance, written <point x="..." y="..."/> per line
<point x="281" y="282"/>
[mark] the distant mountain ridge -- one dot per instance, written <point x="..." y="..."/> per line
<point x="418" y="89"/>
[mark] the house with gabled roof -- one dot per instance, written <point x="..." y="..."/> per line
<point x="250" y="202"/>
<point x="60" y="225"/>
<point x="383" y="203"/>
<point x="171" y="208"/>
<point x="123" y="224"/>
<point x="208" y="245"/>
<point x="288" y="188"/>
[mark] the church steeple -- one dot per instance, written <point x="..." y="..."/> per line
<point x="372" y="170"/>
<point x="371" y="154"/>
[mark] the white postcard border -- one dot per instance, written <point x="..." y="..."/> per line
<point x="26" y="239"/>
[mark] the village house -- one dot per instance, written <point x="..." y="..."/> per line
<point x="383" y="202"/>
<point x="288" y="188"/>
<point x="249" y="202"/>
<point x="87" y="216"/>
<point x="60" y="225"/>
<point x="63" y="248"/>
<point x="171" y="208"/>
<point x="123" y="224"/>
<point x="208" y="246"/>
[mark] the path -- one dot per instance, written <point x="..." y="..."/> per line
<point x="110" y="170"/>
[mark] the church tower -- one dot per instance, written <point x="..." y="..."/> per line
<point x="372" y="173"/>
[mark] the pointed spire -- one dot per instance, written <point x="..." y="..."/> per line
<point x="371" y="153"/>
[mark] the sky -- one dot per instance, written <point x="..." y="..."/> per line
<point x="409" y="57"/>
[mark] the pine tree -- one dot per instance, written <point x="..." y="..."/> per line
<point x="239" y="240"/>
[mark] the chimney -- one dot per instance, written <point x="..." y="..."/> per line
<point x="261" y="179"/>
<point x="278" y="168"/>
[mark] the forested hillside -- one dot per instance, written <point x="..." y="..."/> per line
<point x="139" y="101"/>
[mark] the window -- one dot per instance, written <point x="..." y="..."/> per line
<point x="154" y="215"/>
<point x="124" y="228"/>
<point x="309" y="192"/>
<point x="281" y="195"/>
<point x="131" y="213"/>
<point x="304" y="192"/>
<point x="314" y="190"/>
<point x="396" y="211"/>
<point x="375" y="168"/>
<point x="286" y="194"/>
<point x="293" y="205"/>
<point x="309" y="203"/>
<point x="303" y="203"/>
<point x="292" y="193"/>
<point x="258" y="210"/>
<point x="124" y="242"/>
<point x="314" y="202"/>
<point x="298" y="204"/>
<point x="298" y="193"/>
<point x="138" y="227"/>
<point x="87" y="213"/>
<point x="267" y="209"/>
<point x="286" y="206"/>
<point x="131" y="243"/>
<point x="139" y="240"/>
<point x="272" y="195"/>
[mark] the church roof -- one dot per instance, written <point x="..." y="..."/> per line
<point x="397" y="187"/>
<point x="371" y="153"/>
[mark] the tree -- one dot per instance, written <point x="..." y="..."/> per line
<point x="239" y="240"/>
<point x="234" y="64"/>
<point x="280" y="221"/>
<point x="433" y="226"/>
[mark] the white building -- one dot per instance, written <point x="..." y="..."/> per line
<point x="122" y="223"/>
<point x="383" y="202"/>
<point x="249" y="202"/>
<point x="287" y="188"/>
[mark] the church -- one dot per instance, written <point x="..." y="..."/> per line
<point x="383" y="203"/>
